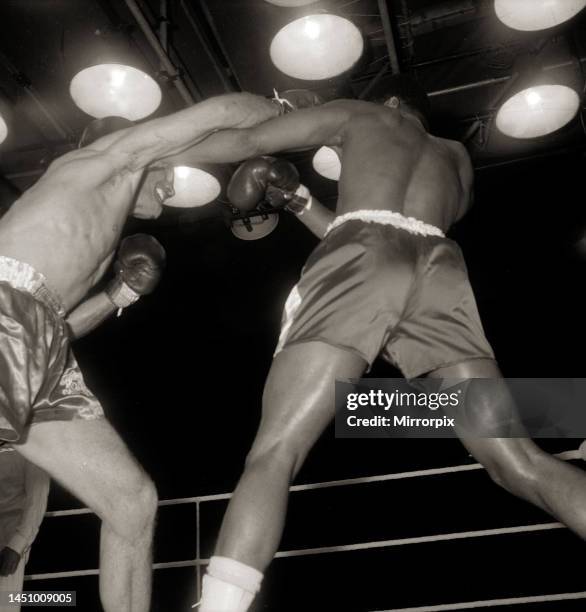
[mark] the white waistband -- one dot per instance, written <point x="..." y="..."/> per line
<point x="23" y="276"/>
<point x="388" y="217"/>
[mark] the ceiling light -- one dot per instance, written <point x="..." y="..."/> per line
<point x="193" y="187"/>
<point x="258" y="227"/>
<point x="531" y="15"/>
<point x="290" y="3"/>
<point x="3" y="130"/>
<point x="115" y="89"/>
<point x="327" y="163"/>
<point x="316" y="47"/>
<point x="538" y="111"/>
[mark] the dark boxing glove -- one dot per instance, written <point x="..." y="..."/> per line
<point x="284" y="189"/>
<point x="138" y="269"/>
<point x="294" y="99"/>
<point x="248" y="186"/>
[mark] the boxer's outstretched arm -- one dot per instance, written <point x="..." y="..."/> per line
<point x="137" y="147"/>
<point x="321" y="125"/>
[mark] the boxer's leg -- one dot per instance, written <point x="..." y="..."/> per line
<point x="518" y="464"/>
<point x="89" y="458"/>
<point x="298" y="403"/>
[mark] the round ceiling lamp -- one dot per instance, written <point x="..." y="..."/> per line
<point x="115" y="89"/>
<point x="258" y="227"/>
<point x="193" y="187"/>
<point x="3" y="129"/>
<point x="290" y="3"/>
<point x="327" y="163"/>
<point x="537" y="111"/>
<point x="316" y="47"/>
<point x="532" y="15"/>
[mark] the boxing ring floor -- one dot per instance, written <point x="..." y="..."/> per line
<point x="386" y="563"/>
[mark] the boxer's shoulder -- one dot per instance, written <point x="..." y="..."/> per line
<point x="461" y="157"/>
<point x="456" y="147"/>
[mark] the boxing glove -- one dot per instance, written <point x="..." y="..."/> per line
<point x="248" y="185"/>
<point x="138" y="269"/>
<point x="294" y="99"/>
<point x="284" y="189"/>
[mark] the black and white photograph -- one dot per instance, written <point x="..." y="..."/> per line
<point x="292" y="307"/>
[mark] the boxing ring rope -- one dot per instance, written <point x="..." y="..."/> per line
<point x="491" y="603"/>
<point x="198" y="562"/>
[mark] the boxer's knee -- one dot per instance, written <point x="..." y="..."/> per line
<point x="488" y="409"/>
<point x="512" y="462"/>
<point x="514" y="465"/>
<point x="135" y="509"/>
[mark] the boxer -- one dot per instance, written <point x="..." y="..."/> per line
<point x="384" y="281"/>
<point x="56" y="242"/>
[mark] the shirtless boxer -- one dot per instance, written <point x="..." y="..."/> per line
<point x="56" y="241"/>
<point x="383" y="281"/>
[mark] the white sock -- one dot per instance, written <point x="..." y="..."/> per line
<point x="229" y="586"/>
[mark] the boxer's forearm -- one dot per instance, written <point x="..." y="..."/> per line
<point x="304" y="128"/>
<point x="316" y="217"/>
<point x="221" y="147"/>
<point x="90" y="314"/>
<point x="173" y="134"/>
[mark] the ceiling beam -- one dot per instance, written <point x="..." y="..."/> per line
<point x="497" y="80"/>
<point x="374" y="81"/>
<point x="26" y="87"/>
<point x="389" y="37"/>
<point x="219" y="69"/>
<point x="163" y="56"/>
<point x="443" y="15"/>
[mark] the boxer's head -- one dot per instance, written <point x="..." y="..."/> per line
<point x="406" y="93"/>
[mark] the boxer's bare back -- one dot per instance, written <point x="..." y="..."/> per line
<point x="391" y="163"/>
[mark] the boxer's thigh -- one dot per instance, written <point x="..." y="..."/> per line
<point x="299" y="395"/>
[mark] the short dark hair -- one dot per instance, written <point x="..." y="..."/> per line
<point x="410" y="92"/>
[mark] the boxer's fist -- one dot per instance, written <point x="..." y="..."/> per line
<point x="138" y="269"/>
<point x="140" y="263"/>
<point x="248" y="184"/>
<point x="284" y="189"/>
<point x="295" y="99"/>
<point x="260" y="178"/>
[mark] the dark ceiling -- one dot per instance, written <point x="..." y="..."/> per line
<point x="465" y="58"/>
